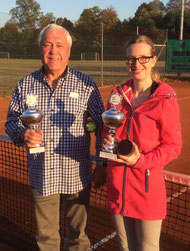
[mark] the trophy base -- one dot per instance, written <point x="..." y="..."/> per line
<point x="39" y="149"/>
<point x="108" y="155"/>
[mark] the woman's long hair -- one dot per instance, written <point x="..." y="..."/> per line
<point x="146" y="40"/>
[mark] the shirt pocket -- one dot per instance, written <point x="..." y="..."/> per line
<point x="75" y="105"/>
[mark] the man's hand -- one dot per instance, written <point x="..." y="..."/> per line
<point x="100" y="174"/>
<point x="32" y="137"/>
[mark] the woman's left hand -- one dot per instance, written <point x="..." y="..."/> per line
<point x="129" y="160"/>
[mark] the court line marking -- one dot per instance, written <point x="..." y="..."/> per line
<point x="111" y="236"/>
<point x="101" y="242"/>
<point x="183" y="98"/>
<point x="177" y="194"/>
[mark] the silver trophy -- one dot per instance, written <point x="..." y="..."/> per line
<point x="113" y="119"/>
<point x="32" y="117"/>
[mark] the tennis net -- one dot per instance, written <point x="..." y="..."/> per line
<point x="17" y="219"/>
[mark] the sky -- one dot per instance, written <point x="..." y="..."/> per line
<point x="72" y="9"/>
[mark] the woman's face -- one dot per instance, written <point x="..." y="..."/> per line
<point x="140" y="71"/>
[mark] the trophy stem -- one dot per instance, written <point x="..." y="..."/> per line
<point x="112" y="131"/>
<point x="112" y="146"/>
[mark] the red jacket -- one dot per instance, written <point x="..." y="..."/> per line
<point x="139" y="191"/>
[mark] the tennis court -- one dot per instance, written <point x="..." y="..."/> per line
<point x="17" y="221"/>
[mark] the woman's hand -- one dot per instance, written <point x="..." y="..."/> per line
<point x="130" y="160"/>
<point x="107" y="141"/>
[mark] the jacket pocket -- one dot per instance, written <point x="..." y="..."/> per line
<point x="147" y="174"/>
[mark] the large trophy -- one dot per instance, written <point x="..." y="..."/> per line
<point x="32" y="117"/>
<point x="113" y="119"/>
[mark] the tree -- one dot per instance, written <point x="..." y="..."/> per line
<point x="150" y="15"/>
<point x="26" y="14"/>
<point x="172" y="23"/>
<point x="174" y="4"/>
<point x="10" y="39"/>
<point x="109" y="17"/>
<point x="158" y="6"/>
<point x="65" y="23"/>
<point x="88" y="26"/>
<point x="45" y="20"/>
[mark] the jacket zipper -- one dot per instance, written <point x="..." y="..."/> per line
<point x="147" y="174"/>
<point x="125" y="169"/>
<point x="123" y="192"/>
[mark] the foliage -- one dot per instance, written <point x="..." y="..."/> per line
<point x="175" y="4"/>
<point x="19" y="36"/>
<point x="26" y="14"/>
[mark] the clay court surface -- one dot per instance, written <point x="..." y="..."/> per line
<point x="182" y="164"/>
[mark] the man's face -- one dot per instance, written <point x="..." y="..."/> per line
<point x="55" y="52"/>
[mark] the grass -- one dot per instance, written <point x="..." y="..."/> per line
<point x="114" y="72"/>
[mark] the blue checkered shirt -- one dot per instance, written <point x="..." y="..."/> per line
<point x="65" y="167"/>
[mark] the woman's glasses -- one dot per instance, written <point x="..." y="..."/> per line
<point x="141" y="60"/>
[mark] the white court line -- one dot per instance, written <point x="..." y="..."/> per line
<point x="100" y="243"/>
<point x="111" y="236"/>
<point x="177" y="194"/>
<point x="183" y="98"/>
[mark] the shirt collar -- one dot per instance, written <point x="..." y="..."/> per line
<point x="62" y="77"/>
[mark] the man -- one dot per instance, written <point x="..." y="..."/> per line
<point x="66" y="98"/>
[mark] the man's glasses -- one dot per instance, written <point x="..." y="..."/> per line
<point x="141" y="60"/>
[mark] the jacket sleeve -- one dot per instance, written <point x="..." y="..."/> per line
<point x="13" y="125"/>
<point x="170" y="135"/>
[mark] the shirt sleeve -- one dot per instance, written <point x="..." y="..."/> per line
<point x="170" y="134"/>
<point x="13" y="125"/>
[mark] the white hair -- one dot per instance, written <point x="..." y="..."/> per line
<point x="52" y="27"/>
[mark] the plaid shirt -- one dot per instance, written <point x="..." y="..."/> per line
<point x="65" y="167"/>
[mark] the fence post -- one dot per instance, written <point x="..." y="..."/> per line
<point x="102" y="56"/>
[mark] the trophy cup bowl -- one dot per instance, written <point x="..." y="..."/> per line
<point x="113" y="118"/>
<point x="32" y="117"/>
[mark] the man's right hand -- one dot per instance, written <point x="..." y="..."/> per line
<point x="32" y="137"/>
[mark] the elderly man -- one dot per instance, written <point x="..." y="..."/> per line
<point x="66" y="98"/>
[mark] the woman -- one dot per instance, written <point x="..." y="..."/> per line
<point x="135" y="183"/>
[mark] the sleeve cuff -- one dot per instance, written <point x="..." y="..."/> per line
<point x="140" y="162"/>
